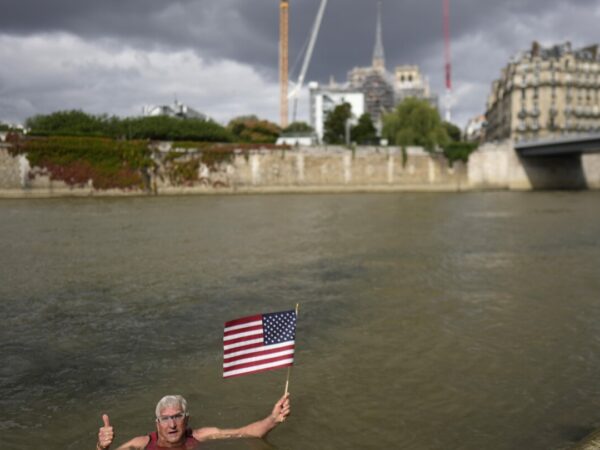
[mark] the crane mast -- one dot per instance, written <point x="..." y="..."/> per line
<point x="447" y="63"/>
<point x="283" y="62"/>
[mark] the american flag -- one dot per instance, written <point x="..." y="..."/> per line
<point x="258" y="343"/>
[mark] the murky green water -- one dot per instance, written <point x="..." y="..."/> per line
<point x="427" y="321"/>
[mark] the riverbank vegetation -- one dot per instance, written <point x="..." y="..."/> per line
<point x="106" y="163"/>
<point x="111" y="152"/>
<point x="416" y="122"/>
<point x="251" y="129"/>
<point x="182" y="163"/>
<point x="79" y="123"/>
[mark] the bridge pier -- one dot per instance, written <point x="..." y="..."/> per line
<point x="555" y="172"/>
<point x="591" y="169"/>
<point x="500" y="166"/>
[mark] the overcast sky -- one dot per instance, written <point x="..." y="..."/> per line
<point x="221" y="56"/>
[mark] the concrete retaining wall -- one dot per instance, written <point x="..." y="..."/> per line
<point x="11" y="171"/>
<point x="337" y="169"/>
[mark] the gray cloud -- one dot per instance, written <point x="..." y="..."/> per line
<point x="242" y="35"/>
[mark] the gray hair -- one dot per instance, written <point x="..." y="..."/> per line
<point x="171" y="401"/>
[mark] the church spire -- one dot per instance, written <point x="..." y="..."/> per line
<point x="378" y="55"/>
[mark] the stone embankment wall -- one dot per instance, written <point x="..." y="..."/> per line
<point x="326" y="169"/>
<point x="329" y="169"/>
<point x="337" y="169"/>
<point x="12" y="172"/>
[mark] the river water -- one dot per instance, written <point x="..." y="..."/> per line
<point x="427" y="321"/>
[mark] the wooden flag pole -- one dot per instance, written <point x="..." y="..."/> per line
<point x="287" y="380"/>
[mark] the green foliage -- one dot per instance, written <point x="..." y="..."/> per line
<point x="78" y="123"/>
<point x="183" y="172"/>
<point x="251" y="129"/>
<point x="335" y="124"/>
<point x="76" y="160"/>
<point x="4" y="127"/>
<point x="174" y="129"/>
<point x="452" y="131"/>
<point x="415" y="122"/>
<point x="364" y="132"/>
<point x="459" y="151"/>
<point x="183" y="168"/>
<point x="298" y="127"/>
<point x="70" y="123"/>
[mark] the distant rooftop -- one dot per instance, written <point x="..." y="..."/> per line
<point x="178" y="109"/>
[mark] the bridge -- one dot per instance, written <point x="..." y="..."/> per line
<point x="564" y="146"/>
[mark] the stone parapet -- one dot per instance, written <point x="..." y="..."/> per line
<point x="334" y="169"/>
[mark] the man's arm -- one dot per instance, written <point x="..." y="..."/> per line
<point x="137" y="443"/>
<point x="257" y="429"/>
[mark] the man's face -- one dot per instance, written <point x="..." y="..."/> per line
<point x="171" y="425"/>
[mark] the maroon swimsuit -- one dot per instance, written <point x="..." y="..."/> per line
<point x="189" y="443"/>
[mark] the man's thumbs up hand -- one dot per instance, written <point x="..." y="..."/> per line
<point x="105" y="434"/>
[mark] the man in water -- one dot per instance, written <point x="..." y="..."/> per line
<point x="172" y="430"/>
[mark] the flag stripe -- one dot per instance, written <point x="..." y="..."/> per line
<point x="244" y="320"/>
<point x="257" y="357"/>
<point x="257" y="349"/>
<point x="248" y="348"/>
<point x="249" y="325"/>
<point x="238" y="334"/>
<point x="243" y="343"/>
<point x="258" y="368"/>
<point x="244" y="339"/>
<point x="275" y="359"/>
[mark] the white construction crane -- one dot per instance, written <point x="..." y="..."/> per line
<point x="295" y="92"/>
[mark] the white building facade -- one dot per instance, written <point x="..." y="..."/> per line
<point x="325" y="99"/>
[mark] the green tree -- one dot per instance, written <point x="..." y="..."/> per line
<point x="298" y="127"/>
<point x="364" y="132"/>
<point x="68" y="123"/>
<point x="173" y="129"/>
<point x="78" y="123"/>
<point x="335" y="124"/>
<point x="452" y="131"/>
<point x="415" y="122"/>
<point x="459" y="151"/>
<point x="251" y="129"/>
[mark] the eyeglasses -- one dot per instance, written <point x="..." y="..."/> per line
<point x="176" y="417"/>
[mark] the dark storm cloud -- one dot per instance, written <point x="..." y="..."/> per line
<point x="247" y="30"/>
<point x="484" y="33"/>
